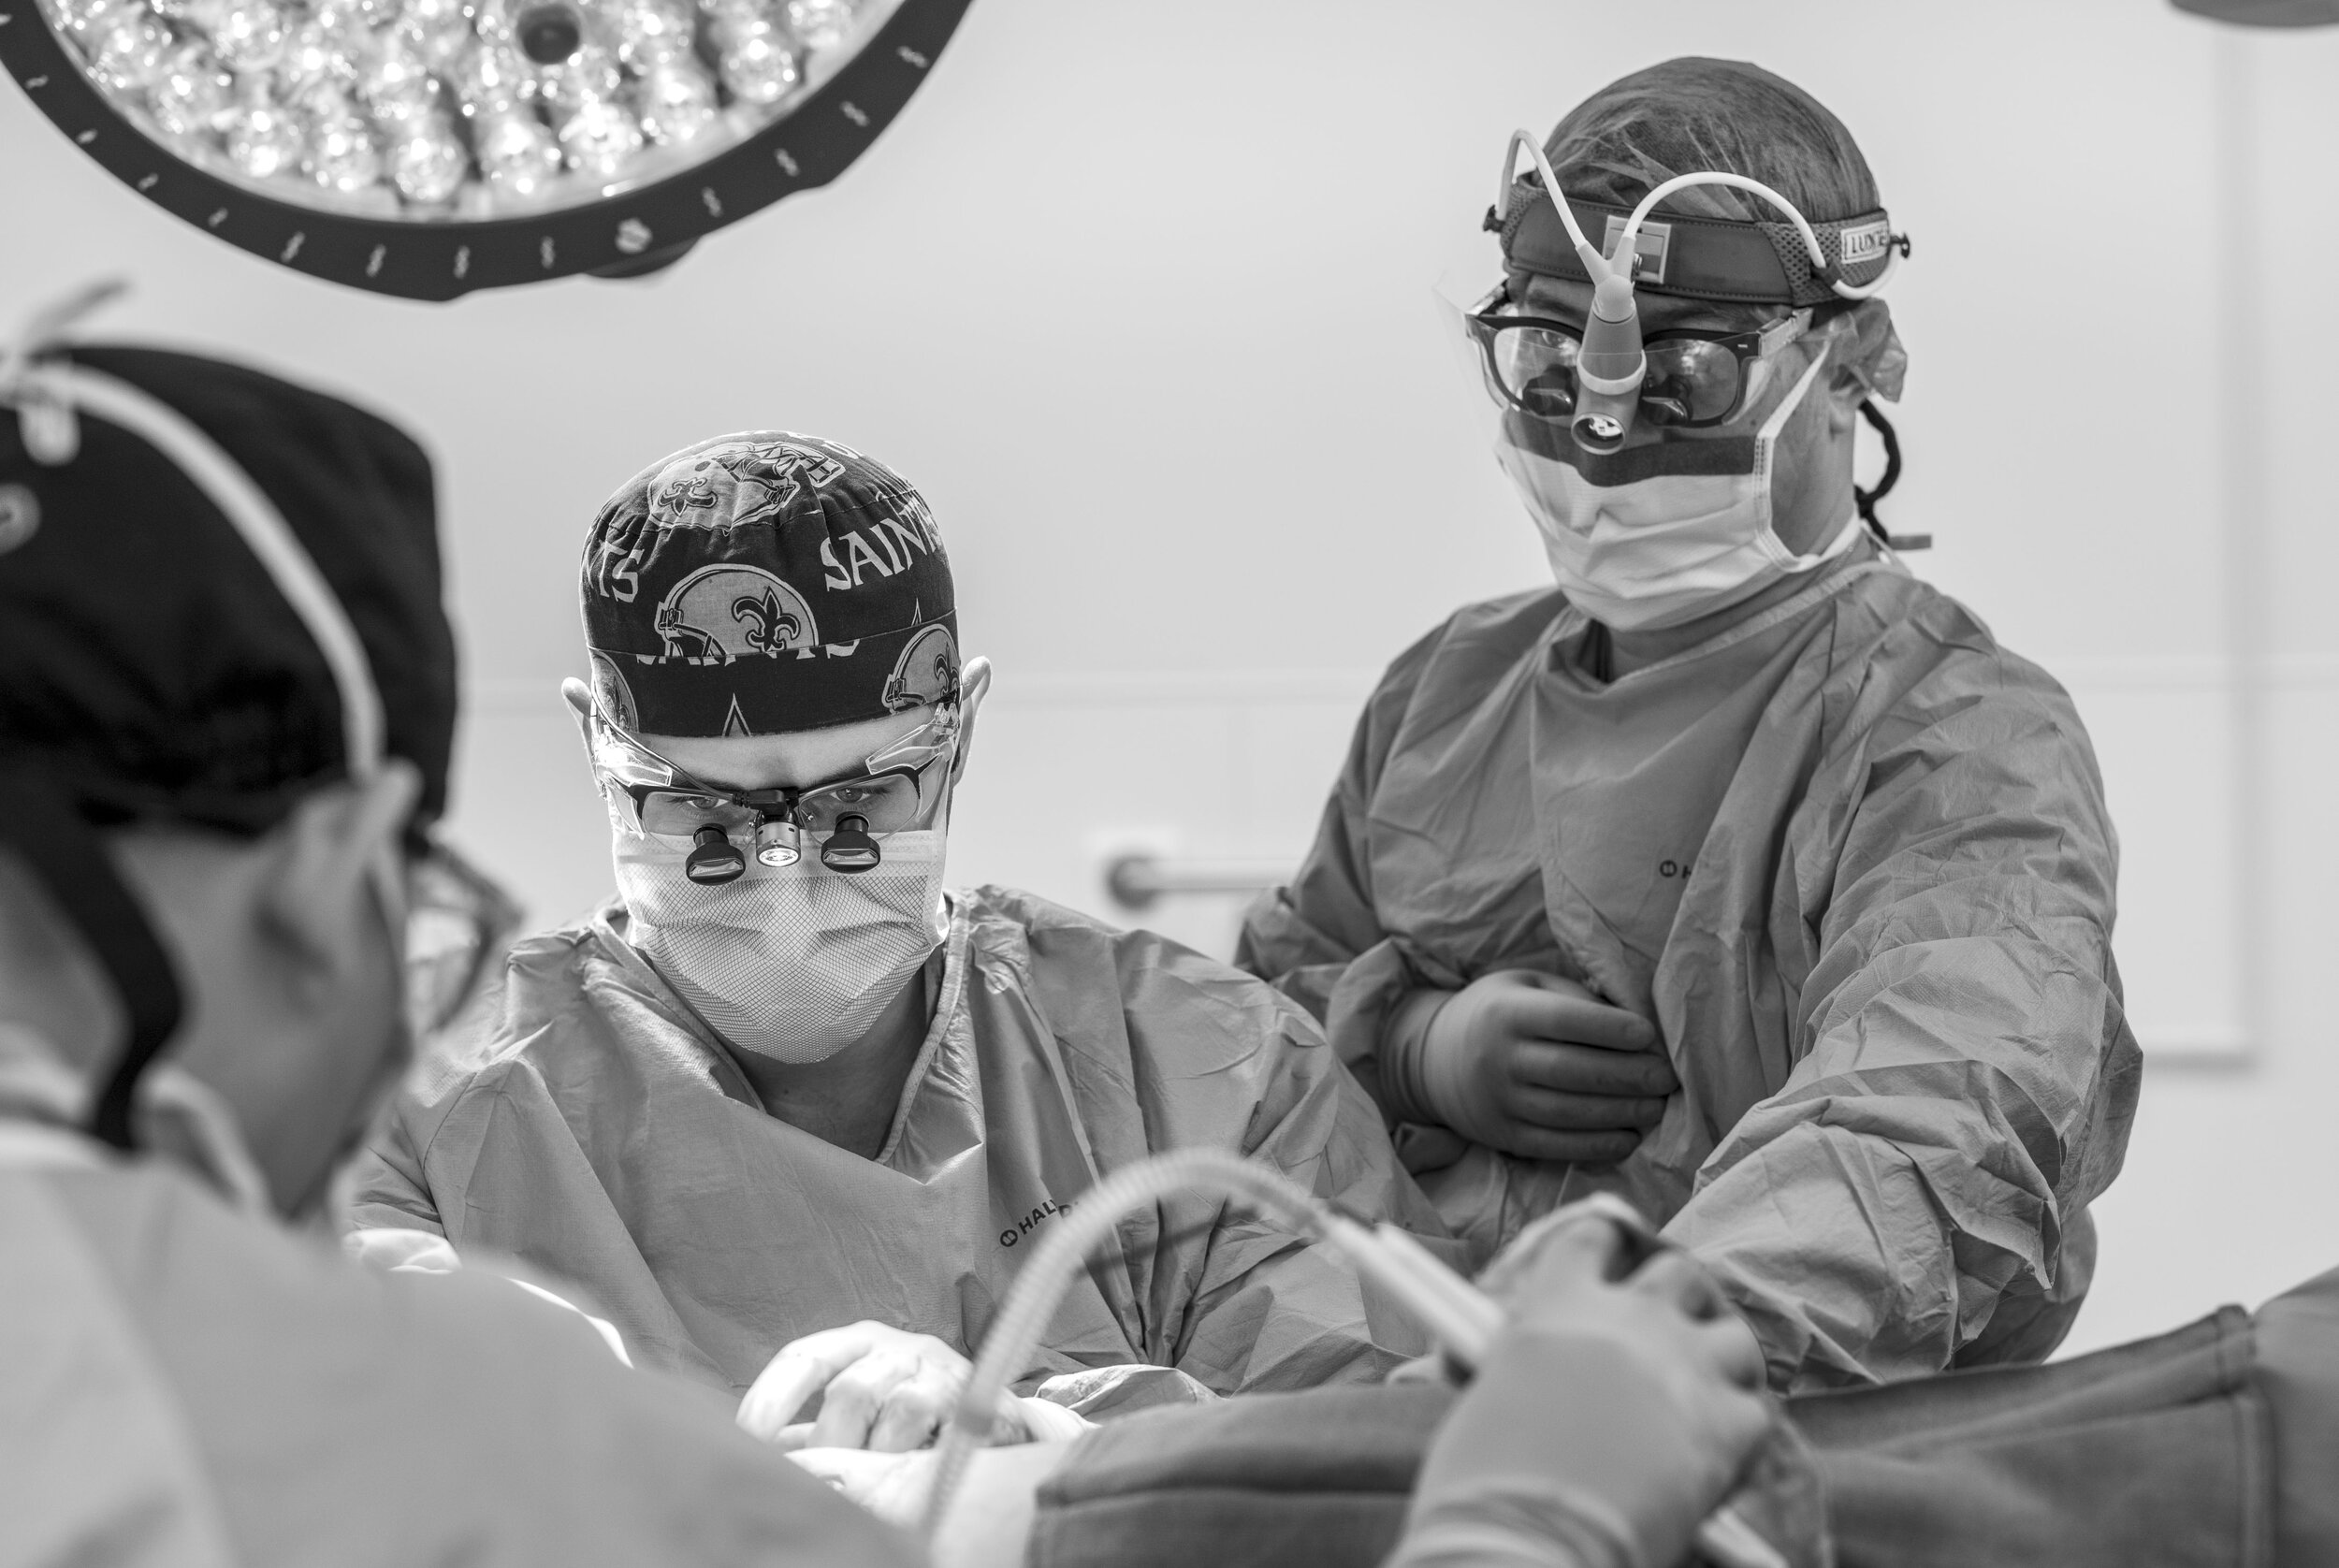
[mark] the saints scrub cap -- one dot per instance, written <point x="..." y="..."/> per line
<point x="762" y="583"/>
<point x="148" y="662"/>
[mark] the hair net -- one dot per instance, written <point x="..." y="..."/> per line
<point x="1692" y="114"/>
<point x="148" y="657"/>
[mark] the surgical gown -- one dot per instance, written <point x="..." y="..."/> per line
<point x="184" y="1383"/>
<point x="1852" y="859"/>
<point x="602" y="1135"/>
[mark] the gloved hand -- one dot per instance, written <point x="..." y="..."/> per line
<point x="1604" y="1423"/>
<point x="881" y="1388"/>
<point x="1529" y="1064"/>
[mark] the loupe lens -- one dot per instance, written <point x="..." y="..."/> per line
<point x="1690" y="381"/>
<point x="1537" y="369"/>
<point x="716" y="859"/>
<point x="851" y="848"/>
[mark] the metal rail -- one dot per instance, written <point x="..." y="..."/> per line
<point x="1139" y="879"/>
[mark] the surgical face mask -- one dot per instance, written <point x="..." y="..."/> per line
<point x="791" y="962"/>
<point x="1659" y="534"/>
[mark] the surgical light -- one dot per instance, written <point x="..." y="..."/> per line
<point x="428" y="148"/>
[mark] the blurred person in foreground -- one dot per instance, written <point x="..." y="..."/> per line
<point x="227" y="700"/>
<point x="793" y="1113"/>
<point x="1741" y="873"/>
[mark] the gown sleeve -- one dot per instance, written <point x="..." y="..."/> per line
<point x="1318" y="938"/>
<point x="1968" y="1074"/>
<point x="388" y="1189"/>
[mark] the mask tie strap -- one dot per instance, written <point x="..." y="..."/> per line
<point x="1766" y="439"/>
<point x="42" y="825"/>
<point x="1865" y="498"/>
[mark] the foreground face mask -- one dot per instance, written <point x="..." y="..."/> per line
<point x="1656" y="535"/>
<point x="793" y="962"/>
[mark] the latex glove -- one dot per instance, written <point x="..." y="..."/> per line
<point x="1529" y="1064"/>
<point x="1605" y="1422"/>
<point x="881" y="1388"/>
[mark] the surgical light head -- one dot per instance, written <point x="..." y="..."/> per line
<point x="1788" y="262"/>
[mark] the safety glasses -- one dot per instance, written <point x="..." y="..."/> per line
<point x="1695" y="379"/>
<point x="848" y="818"/>
<point x="458" y="923"/>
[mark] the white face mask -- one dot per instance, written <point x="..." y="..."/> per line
<point x="793" y="962"/>
<point x="1658" y="552"/>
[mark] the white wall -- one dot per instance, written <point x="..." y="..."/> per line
<point x="1139" y="295"/>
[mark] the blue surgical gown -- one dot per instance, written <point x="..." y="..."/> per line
<point x="1851" y="857"/>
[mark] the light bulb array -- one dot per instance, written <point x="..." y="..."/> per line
<point x="460" y="109"/>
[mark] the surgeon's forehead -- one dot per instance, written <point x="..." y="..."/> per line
<point x="1569" y="300"/>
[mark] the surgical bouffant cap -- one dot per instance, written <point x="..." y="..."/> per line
<point x="149" y="658"/>
<point x="764" y="583"/>
<point x="1692" y="114"/>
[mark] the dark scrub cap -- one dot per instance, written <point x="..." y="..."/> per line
<point x="153" y="668"/>
<point x="149" y="662"/>
<point x="762" y="583"/>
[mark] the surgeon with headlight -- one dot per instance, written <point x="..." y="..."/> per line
<point x="792" y="1113"/>
<point x="1742" y="874"/>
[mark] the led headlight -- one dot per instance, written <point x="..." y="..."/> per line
<point x="428" y="148"/>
